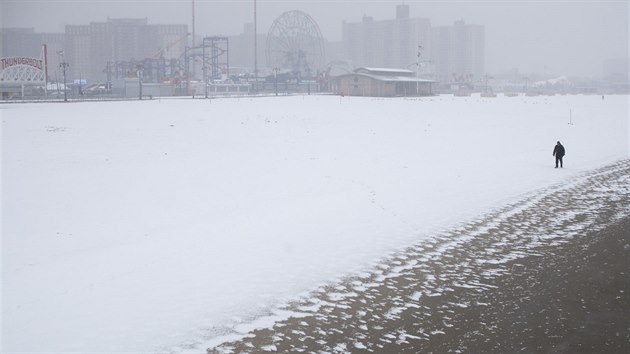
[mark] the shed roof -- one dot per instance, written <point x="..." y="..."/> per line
<point x="389" y="78"/>
<point x="384" y="71"/>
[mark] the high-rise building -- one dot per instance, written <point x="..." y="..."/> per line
<point x="447" y="54"/>
<point x="89" y="48"/>
<point x="458" y="54"/>
<point x="55" y="43"/>
<point x="242" y="51"/>
<point x="77" y="52"/>
<point x="25" y="42"/>
<point x="387" y="44"/>
<point x="20" y="42"/>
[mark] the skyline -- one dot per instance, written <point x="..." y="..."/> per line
<point x="550" y="37"/>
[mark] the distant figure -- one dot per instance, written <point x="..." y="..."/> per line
<point x="558" y="152"/>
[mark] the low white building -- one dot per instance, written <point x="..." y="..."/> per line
<point x="382" y="82"/>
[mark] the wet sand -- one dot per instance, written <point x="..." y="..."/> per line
<point x="547" y="274"/>
<point x="574" y="299"/>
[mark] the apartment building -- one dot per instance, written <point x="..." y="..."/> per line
<point x="388" y="44"/>
<point x="458" y="53"/>
<point x="447" y="54"/>
<point x="90" y="47"/>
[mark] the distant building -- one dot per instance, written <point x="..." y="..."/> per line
<point x="89" y="48"/>
<point x="55" y="44"/>
<point x="616" y="69"/>
<point x="390" y="43"/>
<point x="458" y="53"/>
<point x="242" y="51"/>
<point x="25" y="42"/>
<point x="449" y="54"/>
<point x="20" y="42"/>
<point x="615" y="75"/>
<point x="382" y="82"/>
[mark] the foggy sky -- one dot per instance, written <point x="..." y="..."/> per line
<point x="570" y="37"/>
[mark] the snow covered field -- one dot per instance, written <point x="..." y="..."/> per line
<point x="140" y="226"/>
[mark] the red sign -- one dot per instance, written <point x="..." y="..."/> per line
<point x="7" y="62"/>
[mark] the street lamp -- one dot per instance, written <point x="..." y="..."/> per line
<point x="418" y="72"/>
<point x="63" y="66"/>
<point x="255" y="51"/>
<point x="275" y="75"/>
<point x="205" y="68"/>
<point x="139" y="68"/>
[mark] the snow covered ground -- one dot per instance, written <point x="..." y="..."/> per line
<point x="142" y="225"/>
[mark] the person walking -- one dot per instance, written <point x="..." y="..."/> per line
<point x="558" y="152"/>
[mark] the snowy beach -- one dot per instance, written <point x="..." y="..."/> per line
<point x="143" y="226"/>
<point x="548" y="274"/>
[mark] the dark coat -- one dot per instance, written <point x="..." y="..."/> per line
<point x="558" y="150"/>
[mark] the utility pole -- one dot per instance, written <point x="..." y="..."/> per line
<point x="486" y="88"/>
<point x="63" y="66"/>
<point x="193" y="39"/>
<point x="275" y="74"/>
<point x="204" y="68"/>
<point x="418" y="71"/>
<point x="45" y="51"/>
<point x="255" y="49"/>
<point x="139" y="73"/>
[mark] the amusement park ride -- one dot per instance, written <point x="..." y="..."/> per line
<point x="154" y="69"/>
<point x="294" y="54"/>
<point x="295" y="45"/>
<point x="295" y="48"/>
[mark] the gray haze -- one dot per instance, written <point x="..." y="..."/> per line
<point x="542" y="36"/>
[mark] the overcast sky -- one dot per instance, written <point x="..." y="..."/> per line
<point x="558" y="37"/>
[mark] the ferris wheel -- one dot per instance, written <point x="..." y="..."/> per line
<point x="295" y="43"/>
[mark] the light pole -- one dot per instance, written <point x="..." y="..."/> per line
<point x="140" y="71"/>
<point x="418" y="71"/>
<point x="194" y="71"/>
<point x="255" y="50"/>
<point x="275" y="75"/>
<point x="63" y="66"/>
<point x="486" y="88"/>
<point x="205" y="69"/>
